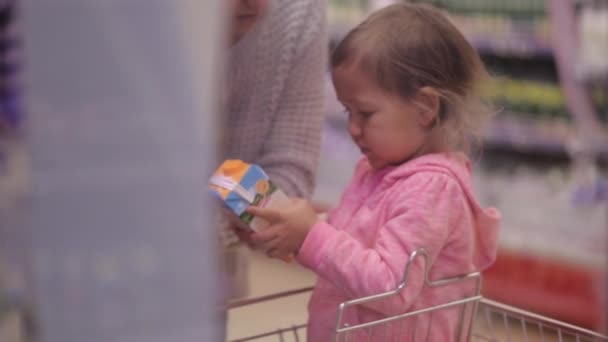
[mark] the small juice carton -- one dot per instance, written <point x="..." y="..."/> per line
<point x="240" y="185"/>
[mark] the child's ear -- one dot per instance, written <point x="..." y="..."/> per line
<point x="429" y="103"/>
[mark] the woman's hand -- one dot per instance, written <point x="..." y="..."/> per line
<point x="288" y="228"/>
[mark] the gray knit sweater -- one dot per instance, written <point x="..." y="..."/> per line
<point x="275" y="94"/>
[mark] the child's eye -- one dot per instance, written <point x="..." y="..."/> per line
<point x="366" y="115"/>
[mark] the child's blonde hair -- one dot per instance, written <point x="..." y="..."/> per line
<point x="405" y="47"/>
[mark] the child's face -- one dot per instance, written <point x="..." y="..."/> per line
<point x="386" y="128"/>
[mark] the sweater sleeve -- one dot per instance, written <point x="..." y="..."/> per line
<point x="291" y="151"/>
<point x="419" y="219"/>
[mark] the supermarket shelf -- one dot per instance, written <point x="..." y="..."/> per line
<point x="533" y="136"/>
<point x="515" y="8"/>
<point x="526" y="135"/>
<point x="511" y="45"/>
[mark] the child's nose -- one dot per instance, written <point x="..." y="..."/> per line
<point x="354" y="127"/>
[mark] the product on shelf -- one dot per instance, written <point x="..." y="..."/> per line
<point x="533" y="99"/>
<point x="517" y="9"/>
<point x="517" y="27"/>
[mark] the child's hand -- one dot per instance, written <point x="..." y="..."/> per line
<point x="288" y="228"/>
<point x="244" y="236"/>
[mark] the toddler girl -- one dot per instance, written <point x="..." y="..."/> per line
<point x="409" y="82"/>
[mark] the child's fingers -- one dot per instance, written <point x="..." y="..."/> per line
<point x="279" y="254"/>
<point x="274" y="253"/>
<point x="244" y="236"/>
<point x="266" y="235"/>
<point x="234" y="221"/>
<point x="267" y="214"/>
<point x="270" y="244"/>
<point x="321" y="207"/>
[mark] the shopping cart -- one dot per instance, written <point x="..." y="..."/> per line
<point x="480" y="319"/>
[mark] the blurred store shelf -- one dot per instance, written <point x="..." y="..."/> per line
<point x="540" y="136"/>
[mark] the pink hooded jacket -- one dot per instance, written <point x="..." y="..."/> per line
<point x="382" y="218"/>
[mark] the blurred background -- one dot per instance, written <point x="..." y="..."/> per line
<point x="544" y="164"/>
